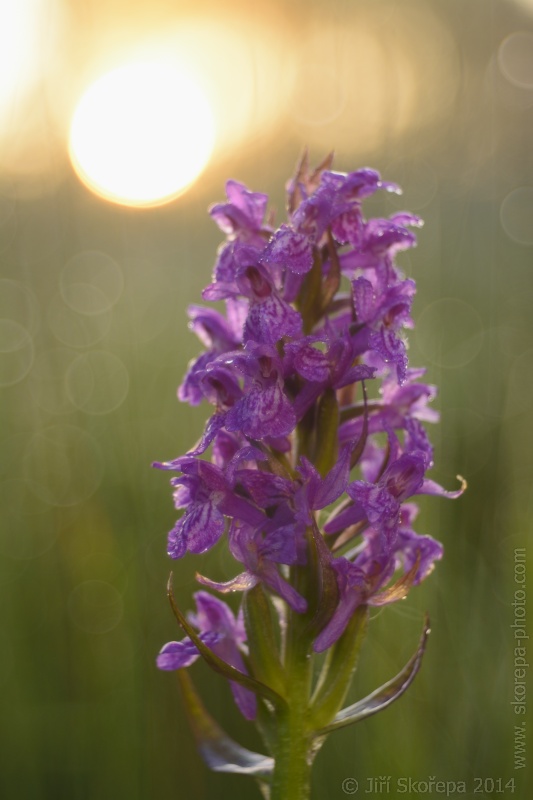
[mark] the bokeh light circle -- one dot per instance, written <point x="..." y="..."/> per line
<point x="16" y="352"/>
<point x="19" y="304"/>
<point x="63" y="465"/>
<point x="516" y="215"/>
<point x="141" y="134"/>
<point x="515" y="59"/>
<point x="47" y="380"/>
<point x="75" y="329"/>
<point x="519" y="385"/>
<point x="95" y="606"/>
<point x="419" y="182"/>
<point x="91" y="282"/>
<point x="97" y="382"/>
<point x="31" y="528"/>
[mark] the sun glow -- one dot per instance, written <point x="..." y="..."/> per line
<point x="141" y="134"/>
<point x="19" y="48"/>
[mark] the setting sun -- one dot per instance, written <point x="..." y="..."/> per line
<point x="141" y="134"/>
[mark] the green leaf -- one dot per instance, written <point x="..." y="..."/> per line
<point x="360" y="446"/>
<point x="218" y="750"/>
<point x="349" y="533"/>
<point x="338" y="670"/>
<point x="305" y="434"/>
<point x="327" y="596"/>
<point x="327" y="427"/>
<point x="306" y="178"/>
<point x="357" y="410"/>
<point x="385" y="695"/>
<point x="262" y="641"/>
<point x="217" y="664"/>
<point x="267" y="724"/>
<point x="333" y="278"/>
<point x="294" y="195"/>
<point x="309" y="299"/>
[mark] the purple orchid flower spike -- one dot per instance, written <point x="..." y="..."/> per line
<point x="306" y="469"/>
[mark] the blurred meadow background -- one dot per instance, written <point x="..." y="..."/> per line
<point x="106" y="172"/>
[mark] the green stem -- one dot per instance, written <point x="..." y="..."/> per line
<point x="292" y="771"/>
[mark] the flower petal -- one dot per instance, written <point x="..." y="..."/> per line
<point x="261" y="413"/>
<point x="176" y="655"/>
<point x="271" y="319"/>
<point x="271" y="577"/>
<point x="430" y="487"/>
<point x="203" y="525"/>
<point x="240" y="583"/>
<point x="289" y="249"/>
<point x="218" y="750"/>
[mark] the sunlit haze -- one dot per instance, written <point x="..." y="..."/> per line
<point x="20" y="24"/>
<point x="141" y="134"/>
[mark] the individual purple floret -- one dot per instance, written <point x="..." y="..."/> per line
<point x="218" y="335"/>
<point x="220" y="630"/>
<point x="207" y="496"/>
<point x="261" y="549"/>
<point x="265" y="409"/>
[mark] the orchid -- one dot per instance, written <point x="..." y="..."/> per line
<point x="307" y="468"/>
